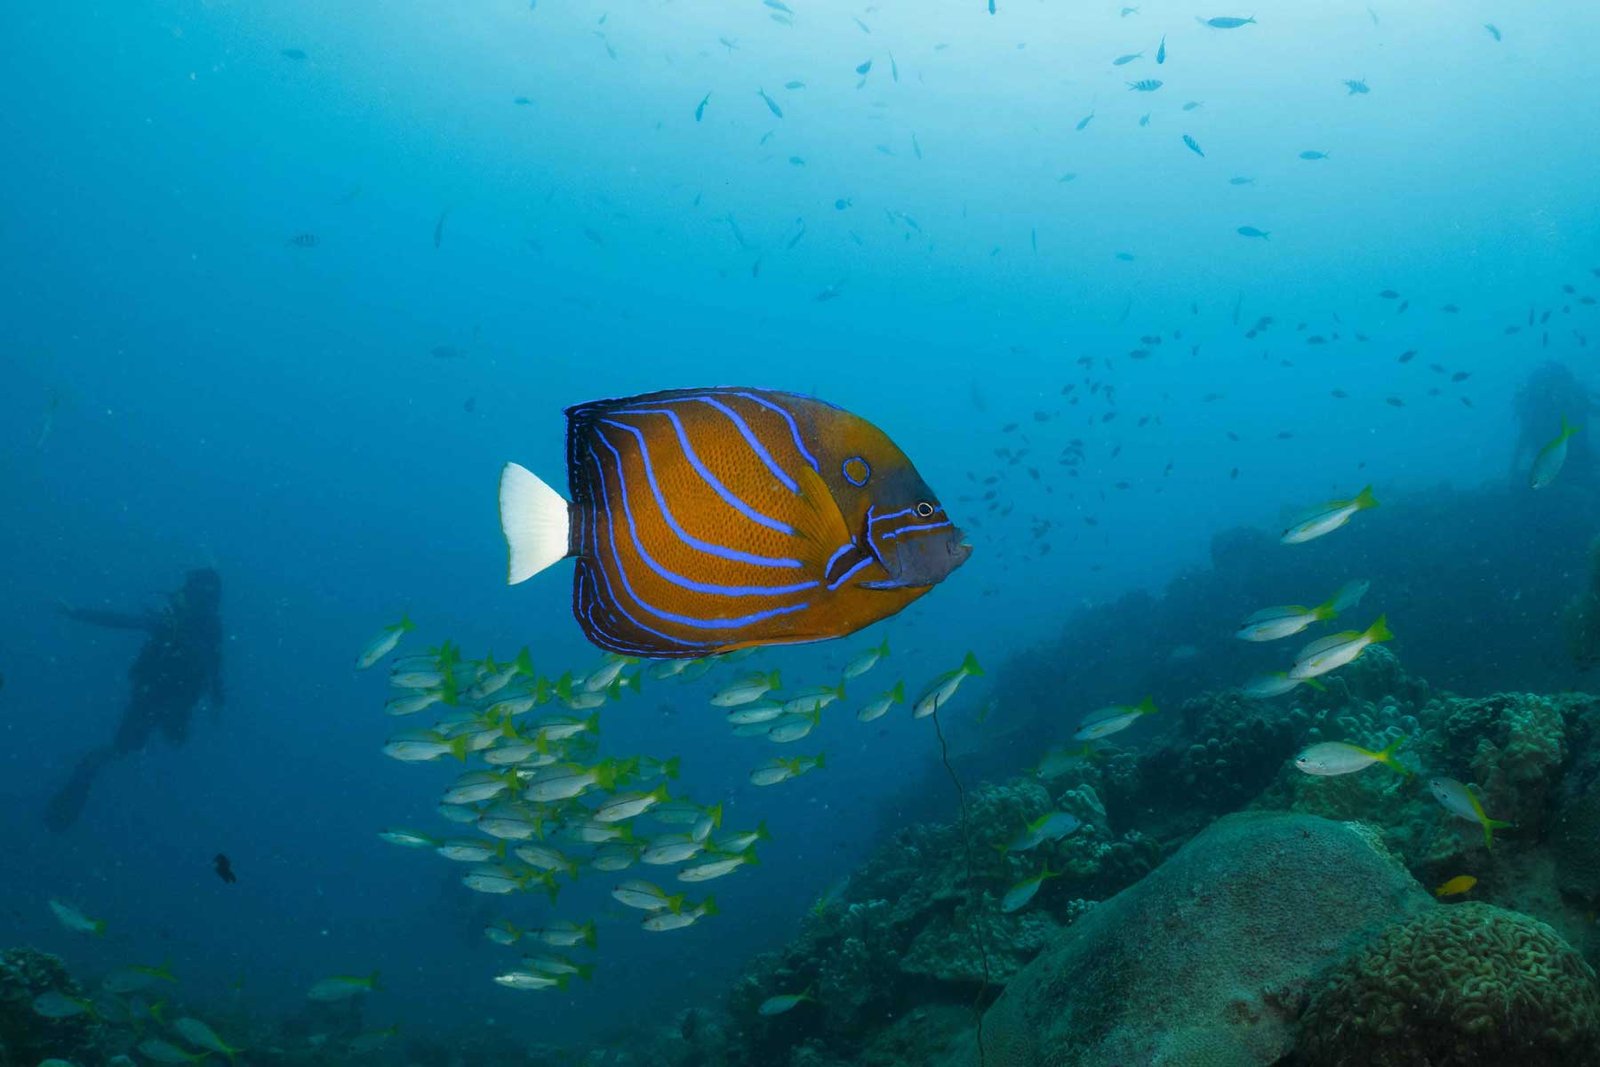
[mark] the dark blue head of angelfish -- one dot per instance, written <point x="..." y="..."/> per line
<point x="908" y="532"/>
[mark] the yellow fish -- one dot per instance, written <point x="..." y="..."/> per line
<point x="1461" y="883"/>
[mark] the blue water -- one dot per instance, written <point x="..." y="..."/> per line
<point x="184" y="386"/>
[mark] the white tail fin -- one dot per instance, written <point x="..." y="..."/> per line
<point x="533" y="517"/>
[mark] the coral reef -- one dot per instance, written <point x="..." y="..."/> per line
<point x="1210" y="956"/>
<point x="1458" y="985"/>
<point x="916" y="929"/>
<point x="26" y="1037"/>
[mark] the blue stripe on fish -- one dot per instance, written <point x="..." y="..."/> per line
<point x="682" y="620"/>
<point x="847" y="575"/>
<point x="610" y="593"/>
<point x="705" y="473"/>
<point x="871" y="520"/>
<point x="892" y="534"/>
<point x="683" y="535"/>
<point x="794" y="429"/>
<point x="678" y="579"/>
<point x="750" y="439"/>
<point x="598" y="630"/>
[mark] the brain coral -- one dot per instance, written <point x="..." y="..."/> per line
<point x="1206" y="962"/>
<point x="1466" y="984"/>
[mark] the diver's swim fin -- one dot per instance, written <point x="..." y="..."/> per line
<point x="67" y="804"/>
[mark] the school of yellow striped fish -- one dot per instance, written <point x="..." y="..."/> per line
<point x="538" y="806"/>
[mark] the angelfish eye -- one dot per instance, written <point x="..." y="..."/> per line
<point x="924" y="509"/>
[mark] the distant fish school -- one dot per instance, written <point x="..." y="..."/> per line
<point x="709" y="520"/>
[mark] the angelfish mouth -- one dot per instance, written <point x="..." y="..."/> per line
<point x="924" y="566"/>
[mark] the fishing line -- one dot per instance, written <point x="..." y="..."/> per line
<point x="966" y="842"/>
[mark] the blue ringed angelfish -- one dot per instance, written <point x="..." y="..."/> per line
<point x="707" y="520"/>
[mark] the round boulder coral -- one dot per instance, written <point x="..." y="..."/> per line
<point x="1464" y="984"/>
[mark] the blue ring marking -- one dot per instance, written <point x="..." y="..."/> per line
<point x="611" y="594"/>
<point x="682" y="620"/>
<point x="892" y="534"/>
<point x="845" y="577"/>
<point x="711" y="479"/>
<point x="844" y="469"/>
<point x="794" y="429"/>
<point x="751" y="440"/>
<point x="678" y="579"/>
<point x="666" y="512"/>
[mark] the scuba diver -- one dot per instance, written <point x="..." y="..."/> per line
<point x="180" y="663"/>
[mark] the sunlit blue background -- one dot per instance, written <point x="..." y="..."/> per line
<point x="183" y="385"/>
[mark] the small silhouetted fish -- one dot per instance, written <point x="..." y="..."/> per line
<point x="1407" y="356"/>
<point x="304" y="240"/>
<point x="1312" y="153"/>
<point x="1460" y="376"/>
<point x="295" y="54"/>
<point x="1083" y="123"/>
<point x="1126" y="257"/>
<point x="224" y="868"/>
<point x="778" y="5"/>
<point x="470" y="405"/>
<point x="1241" y="181"/>
<point x="1144" y="120"/>
<point x="1161" y="50"/>
<point x="1191" y="105"/>
<point x="867" y="29"/>
<point x="445" y="352"/>
<point x="522" y="101"/>
<point x="862" y="68"/>
<point x="794" y="85"/>
<point x="1494" y="31"/>
<point x="1394" y="401"/>
<point x="916" y="146"/>
<point x="772" y="105"/>
<point x="1251" y="231"/>
<point x="593" y="235"/>
<point x="438" y="228"/>
<point x="1357" y="87"/>
<point x="828" y="292"/>
<point x="1121" y="60"/>
<point x="1194" y="146"/>
<point x="1389" y="294"/>
<point x="1449" y="309"/>
<point x="1340" y="394"/>
<point x="1146" y="85"/>
<point x="700" y="109"/>
<point x="1226" y="22"/>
